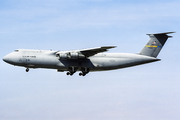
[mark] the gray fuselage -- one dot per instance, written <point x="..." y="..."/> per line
<point x="99" y="62"/>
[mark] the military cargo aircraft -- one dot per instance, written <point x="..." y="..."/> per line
<point x="87" y="60"/>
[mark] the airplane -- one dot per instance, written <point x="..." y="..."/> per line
<point x="87" y="60"/>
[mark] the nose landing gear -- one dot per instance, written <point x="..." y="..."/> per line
<point x="27" y="69"/>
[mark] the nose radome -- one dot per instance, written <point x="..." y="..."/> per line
<point x="5" y="58"/>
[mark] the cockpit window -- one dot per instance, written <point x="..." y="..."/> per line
<point x="16" y="51"/>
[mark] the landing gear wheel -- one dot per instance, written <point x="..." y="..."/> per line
<point x="71" y="70"/>
<point x="84" y="71"/>
<point x="80" y="74"/>
<point x="27" y="69"/>
<point x="69" y="73"/>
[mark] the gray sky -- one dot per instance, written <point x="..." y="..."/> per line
<point x="148" y="92"/>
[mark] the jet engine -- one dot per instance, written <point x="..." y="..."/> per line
<point x="70" y="55"/>
<point x="64" y="56"/>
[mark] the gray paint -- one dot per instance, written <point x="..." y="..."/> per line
<point x="155" y="44"/>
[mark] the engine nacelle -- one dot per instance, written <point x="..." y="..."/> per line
<point x="64" y="56"/>
<point x="70" y="55"/>
<point x="74" y="55"/>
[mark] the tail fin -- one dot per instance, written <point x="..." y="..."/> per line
<point x="155" y="44"/>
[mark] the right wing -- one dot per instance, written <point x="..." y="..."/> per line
<point x="77" y="54"/>
<point x="93" y="51"/>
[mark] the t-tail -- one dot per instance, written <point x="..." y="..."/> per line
<point x="155" y="44"/>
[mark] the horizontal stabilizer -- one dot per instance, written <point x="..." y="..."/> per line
<point x="161" y="33"/>
<point x="165" y="33"/>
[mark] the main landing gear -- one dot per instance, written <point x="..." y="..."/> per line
<point x="72" y="70"/>
<point x="70" y="73"/>
<point x="82" y="74"/>
<point x="84" y="71"/>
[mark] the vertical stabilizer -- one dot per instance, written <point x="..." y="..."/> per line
<point x="155" y="44"/>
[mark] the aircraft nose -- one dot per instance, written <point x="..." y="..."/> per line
<point x="10" y="58"/>
<point x="6" y="58"/>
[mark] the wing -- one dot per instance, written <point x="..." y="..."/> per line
<point x="93" y="51"/>
<point x="78" y="54"/>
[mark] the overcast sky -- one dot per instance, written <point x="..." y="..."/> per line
<point x="146" y="92"/>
